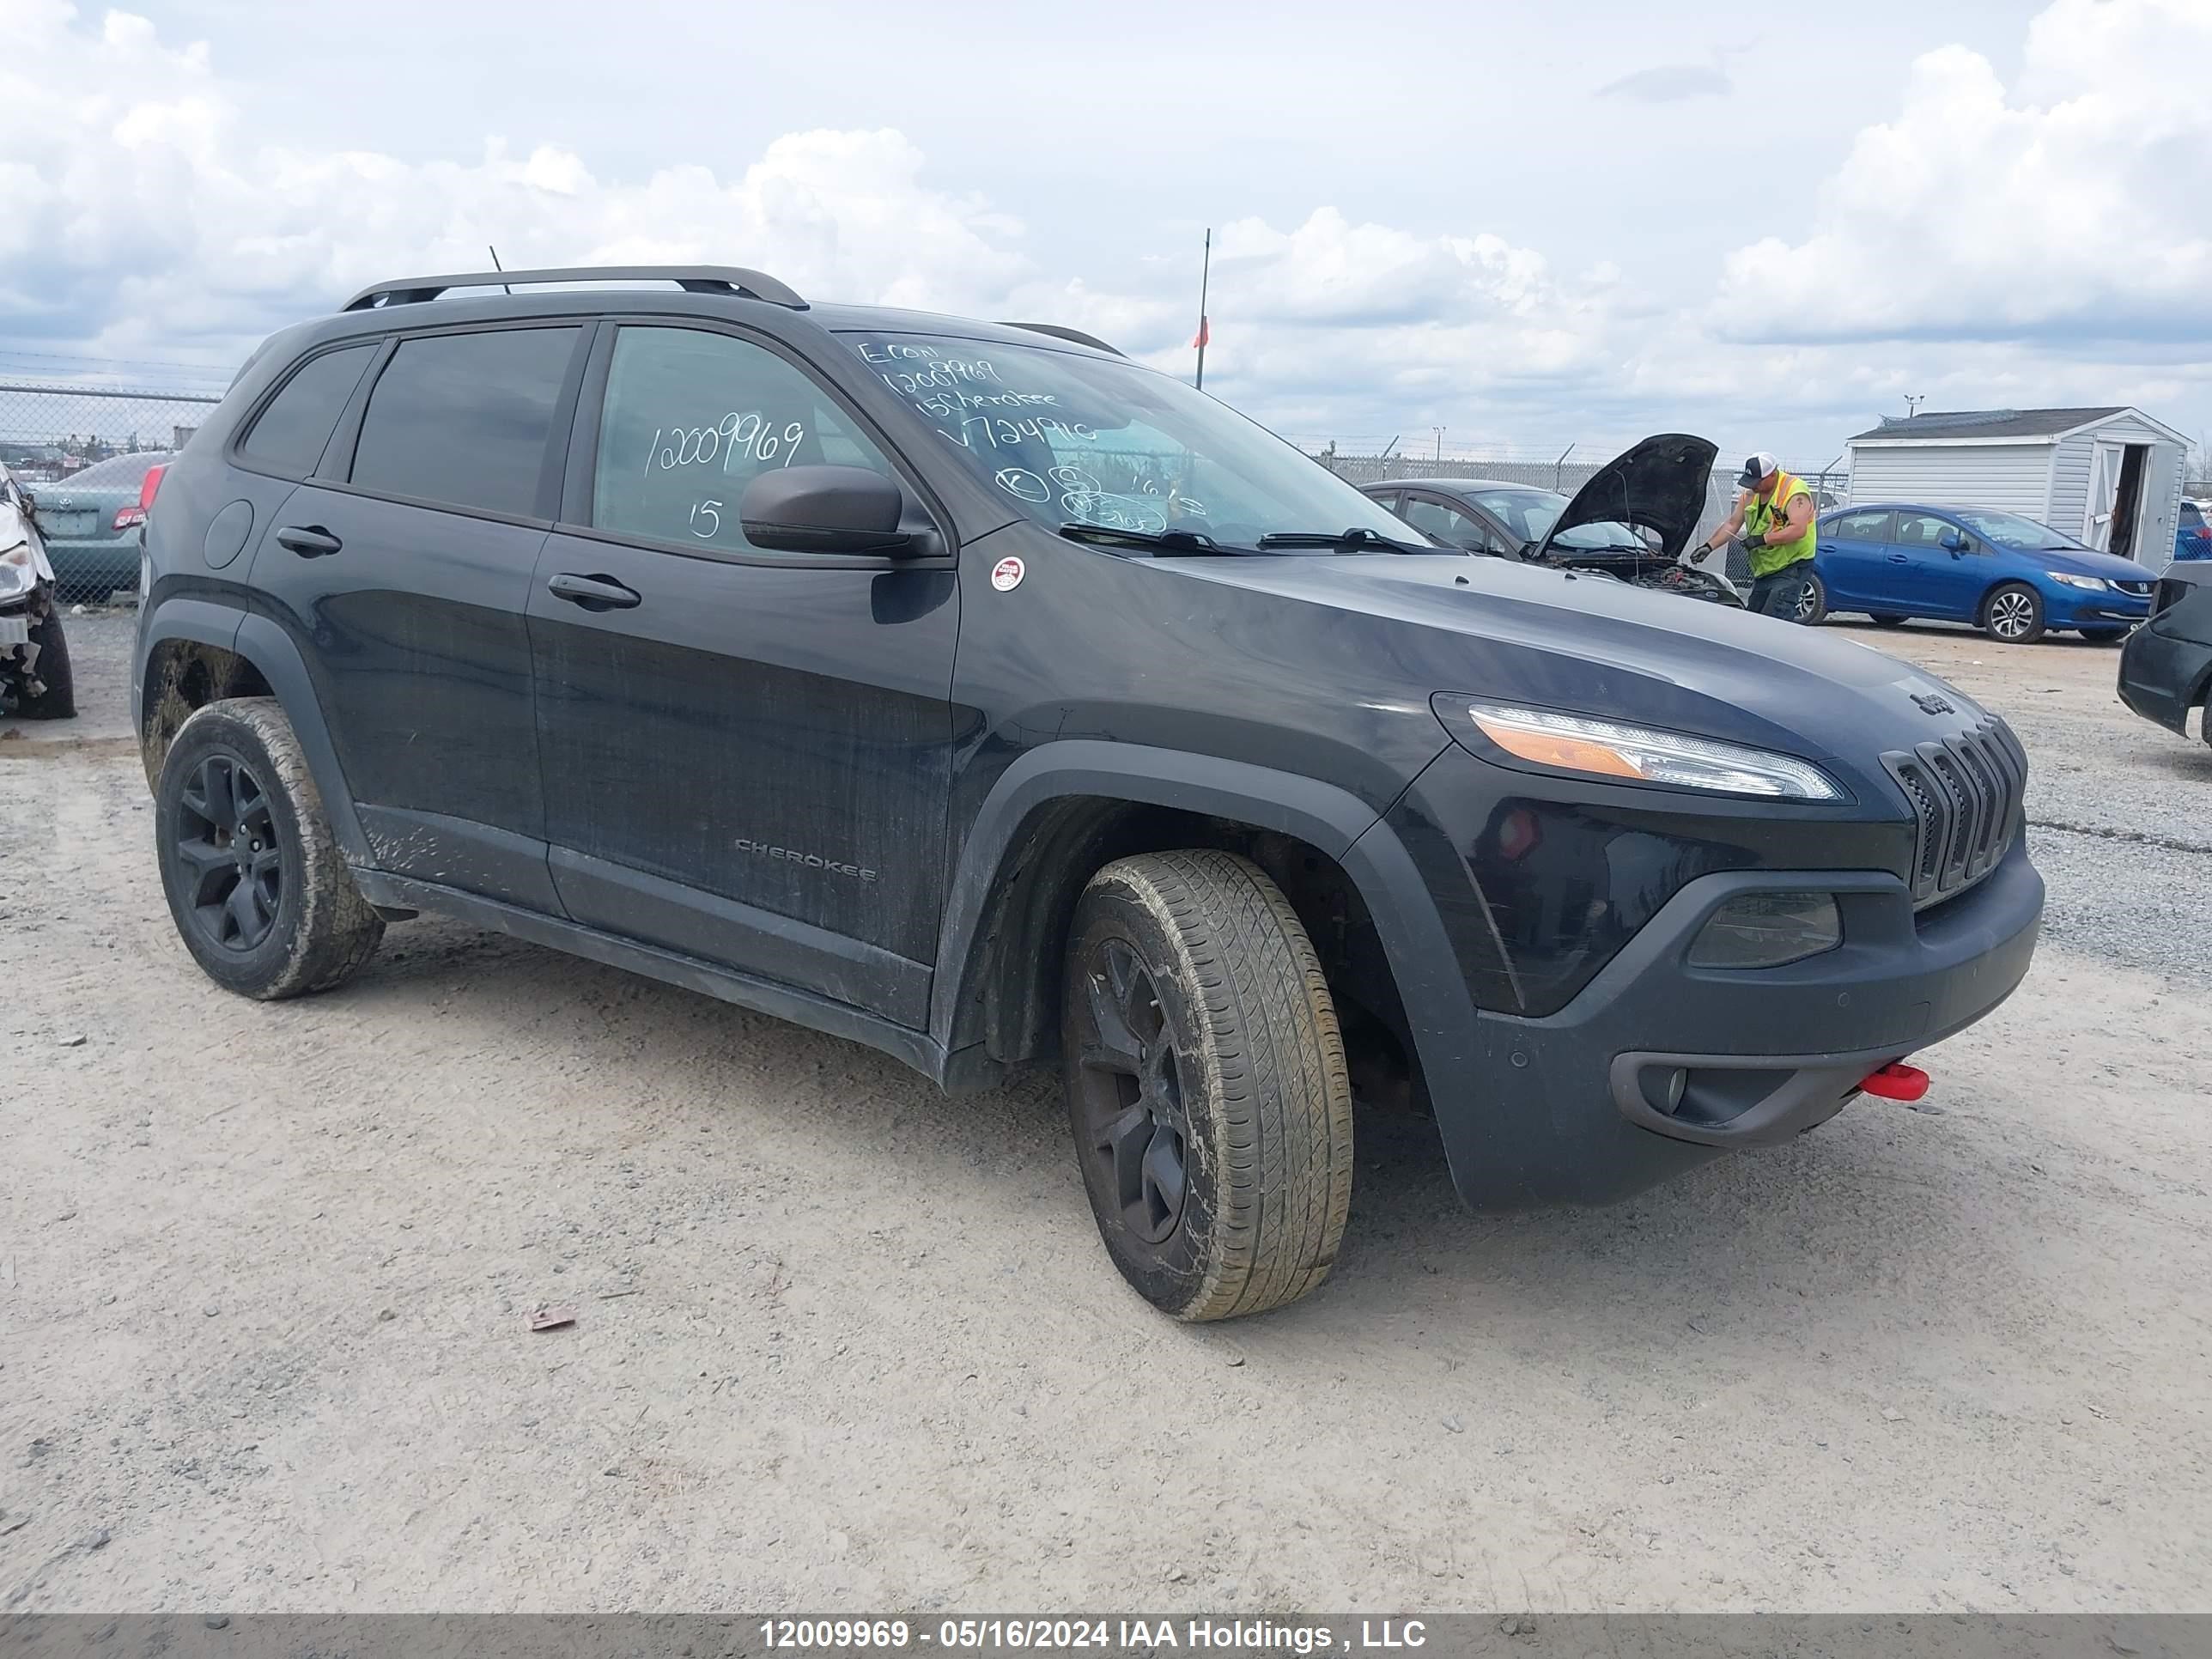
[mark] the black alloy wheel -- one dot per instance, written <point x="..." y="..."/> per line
<point x="1135" y="1129"/>
<point x="226" y="838"/>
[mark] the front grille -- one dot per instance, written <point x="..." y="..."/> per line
<point x="1966" y="793"/>
<point x="2139" y="589"/>
<point x="2170" y="590"/>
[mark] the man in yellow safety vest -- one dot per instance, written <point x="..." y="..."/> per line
<point x="1775" y="515"/>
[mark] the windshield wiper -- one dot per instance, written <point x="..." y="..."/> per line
<point x="1357" y="538"/>
<point x="1161" y="541"/>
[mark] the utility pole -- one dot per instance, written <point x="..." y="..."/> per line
<point x="1912" y="404"/>
<point x="1204" y="270"/>
<point x="1439" y="431"/>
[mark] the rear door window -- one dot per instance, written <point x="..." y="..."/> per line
<point x="290" y="433"/>
<point x="1861" y="526"/>
<point x="690" y="417"/>
<point x="1446" y="523"/>
<point x="462" y="419"/>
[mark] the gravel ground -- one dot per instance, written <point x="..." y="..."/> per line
<point x="265" y="1275"/>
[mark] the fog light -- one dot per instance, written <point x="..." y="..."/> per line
<point x="1766" y="930"/>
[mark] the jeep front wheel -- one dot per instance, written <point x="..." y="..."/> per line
<point x="255" y="884"/>
<point x="1206" y="1084"/>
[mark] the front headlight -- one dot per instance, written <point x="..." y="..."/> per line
<point x="18" y="576"/>
<point x="1607" y="749"/>
<point x="2087" y="584"/>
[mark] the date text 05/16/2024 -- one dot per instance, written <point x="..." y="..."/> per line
<point x="1069" y="1635"/>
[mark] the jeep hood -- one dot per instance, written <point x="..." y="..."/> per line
<point x="1422" y="623"/>
<point x="1659" y="485"/>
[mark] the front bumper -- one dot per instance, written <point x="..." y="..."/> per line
<point x="2071" y="607"/>
<point x="2162" y="674"/>
<point x="1583" y="1106"/>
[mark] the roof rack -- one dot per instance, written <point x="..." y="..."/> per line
<point x="1075" y="335"/>
<point x="692" y="279"/>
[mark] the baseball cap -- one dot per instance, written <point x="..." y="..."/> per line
<point x="1755" y="467"/>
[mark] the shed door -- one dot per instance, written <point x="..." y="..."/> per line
<point x="2105" y="462"/>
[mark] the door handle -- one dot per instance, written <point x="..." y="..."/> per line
<point x="594" y="593"/>
<point x="1899" y="558"/>
<point x="309" y="541"/>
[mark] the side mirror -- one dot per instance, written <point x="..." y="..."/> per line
<point x="829" y="509"/>
<point x="1952" y="542"/>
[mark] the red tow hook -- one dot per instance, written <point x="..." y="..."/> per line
<point x="1896" y="1081"/>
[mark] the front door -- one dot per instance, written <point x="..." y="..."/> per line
<point x="747" y="754"/>
<point x="1939" y="582"/>
<point x="406" y="563"/>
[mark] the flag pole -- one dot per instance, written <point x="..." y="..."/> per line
<point x="1204" y="270"/>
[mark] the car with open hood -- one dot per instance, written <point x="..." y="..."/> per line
<point x="970" y="691"/>
<point x="1633" y="517"/>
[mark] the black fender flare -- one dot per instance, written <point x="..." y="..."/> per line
<point x="1333" y="820"/>
<point x="263" y="643"/>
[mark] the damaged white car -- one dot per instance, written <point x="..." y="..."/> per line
<point x="35" y="665"/>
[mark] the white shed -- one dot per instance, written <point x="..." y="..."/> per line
<point x="2112" y="476"/>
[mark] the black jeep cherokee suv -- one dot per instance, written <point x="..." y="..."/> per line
<point x="969" y="690"/>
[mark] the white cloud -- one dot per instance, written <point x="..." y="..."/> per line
<point x="2064" y="206"/>
<point x="1671" y="83"/>
<point x="1961" y="249"/>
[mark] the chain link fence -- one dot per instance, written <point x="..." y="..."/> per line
<point x="83" y="453"/>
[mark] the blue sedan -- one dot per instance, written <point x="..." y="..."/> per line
<point x="2011" y="577"/>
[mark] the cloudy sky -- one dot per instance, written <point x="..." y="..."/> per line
<point x="1527" y="224"/>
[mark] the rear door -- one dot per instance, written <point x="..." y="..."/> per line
<point x="747" y="754"/>
<point x="403" y="568"/>
<point x="1851" y="559"/>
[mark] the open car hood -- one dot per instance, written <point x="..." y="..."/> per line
<point x="1659" y="485"/>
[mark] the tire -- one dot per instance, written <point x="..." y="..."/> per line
<point x="1195" y="1019"/>
<point x="1886" y="621"/>
<point x="58" y="701"/>
<point x="1812" y="605"/>
<point x="2012" y="614"/>
<point x="235" y="772"/>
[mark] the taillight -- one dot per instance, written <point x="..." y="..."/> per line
<point x="130" y="518"/>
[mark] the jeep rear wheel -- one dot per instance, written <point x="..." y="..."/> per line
<point x="1206" y="1084"/>
<point x="255" y="884"/>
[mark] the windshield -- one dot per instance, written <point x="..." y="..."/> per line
<point x="1068" y="438"/>
<point x="1530" y="514"/>
<point x="2010" y="530"/>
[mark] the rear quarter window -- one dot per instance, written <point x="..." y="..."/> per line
<point x="289" y="435"/>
